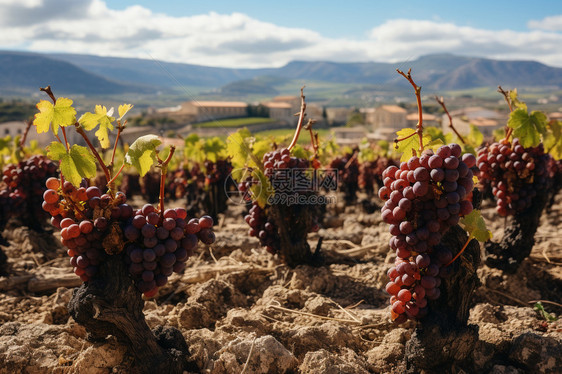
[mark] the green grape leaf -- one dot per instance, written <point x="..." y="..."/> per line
<point x="238" y="148"/>
<point x="142" y="153"/>
<point x="527" y="127"/>
<point x="191" y="139"/>
<point x="553" y="140"/>
<point x="60" y="114"/>
<point x="300" y="152"/>
<point x="123" y="109"/>
<point x="214" y="149"/>
<point x="540" y="120"/>
<point x="75" y="164"/>
<point x="90" y="120"/>
<point x="475" y="226"/>
<point x="410" y="146"/>
<point x="475" y="136"/>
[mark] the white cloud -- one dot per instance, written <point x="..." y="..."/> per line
<point x="401" y="38"/>
<point x="552" y="23"/>
<point x="237" y="40"/>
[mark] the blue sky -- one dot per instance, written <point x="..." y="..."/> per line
<point x="247" y="33"/>
<point x="354" y="18"/>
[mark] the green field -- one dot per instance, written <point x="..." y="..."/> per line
<point x="304" y="137"/>
<point x="234" y="122"/>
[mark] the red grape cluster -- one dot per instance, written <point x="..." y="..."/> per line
<point x="95" y="225"/>
<point x="515" y="174"/>
<point x="424" y="198"/>
<point x="88" y="221"/>
<point x="263" y="228"/>
<point x="24" y="185"/>
<point x="367" y="177"/>
<point x="159" y="244"/>
<point x="217" y="172"/>
<point x="279" y="166"/>
<point x="281" y="159"/>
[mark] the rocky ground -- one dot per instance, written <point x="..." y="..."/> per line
<point x="241" y="310"/>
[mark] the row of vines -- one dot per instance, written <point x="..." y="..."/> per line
<point x="427" y="185"/>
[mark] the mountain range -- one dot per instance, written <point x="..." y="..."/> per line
<point x="23" y="72"/>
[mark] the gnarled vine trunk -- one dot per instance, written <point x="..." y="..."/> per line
<point x="519" y="237"/>
<point x="111" y="305"/>
<point x="442" y="339"/>
<point x="294" y="222"/>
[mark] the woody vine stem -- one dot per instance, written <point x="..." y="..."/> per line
<point x="419" y="126"/>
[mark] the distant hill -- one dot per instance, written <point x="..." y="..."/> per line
<point x="24" y="72"/>
<point x="102" y="75"/>
<point x="157" y="73"/>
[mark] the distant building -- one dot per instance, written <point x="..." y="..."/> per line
<point x="337" y="116"/>
<point x="387" y="116"/>
<point x="316" y="113"/>
<point x="281" y="111"/>
<point x="293" y="101"/>
<point x="428" y="120"/>
<point x="17" y="128"/>
<point x="349" y="135"/>
<point x="555" y="116"/>
<point x="132" y="133"/>
<point x="485" y="119"/>
<point x="201" y="111"/>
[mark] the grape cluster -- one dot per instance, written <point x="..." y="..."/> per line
<point x="159" y="244"/>
<point x="217" y="172"/>
<point x="348" y="174"/>
<point x="88" y="220"/>
<point x="95" y="225"/>
<point x="281" y="159"/>
<point x="263" y="228"/>
<point x="515" y="174"/>
<point x="276" y="165"/>
<point x="424" y="198"/>
<point x="245" y="185"/>
<point x="24" y="185"/>
<point x="177" y="187"/>
<point x="367" y="177"/>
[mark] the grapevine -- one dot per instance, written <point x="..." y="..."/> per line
<point x="520" y="173"/>
<point x="282" y="214"/>
<point x="112" y="245"/>
<point x="426" y="198"/>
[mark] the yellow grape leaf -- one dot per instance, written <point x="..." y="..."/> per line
<point x="475" y="226"/>
<point x="142" y="153"/>
<point x="75" y="164"/>
<point x="553" y="140"/>
<point x="263" y="190"/>
<point x="123" y="109"/>
<point x="238" y="148"/>
<point x="410" y="146"/>
<point x="90" y="120"/>
<point x="60" y="114"/>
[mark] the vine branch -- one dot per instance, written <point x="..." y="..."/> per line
<point x="508" y="130"/>
<point x="302" y="114"/>
<point x="80" y="131"/>
<point x="417" y="90"/>
<point x="441" y="101"/>
<point x="163" y="171"/>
